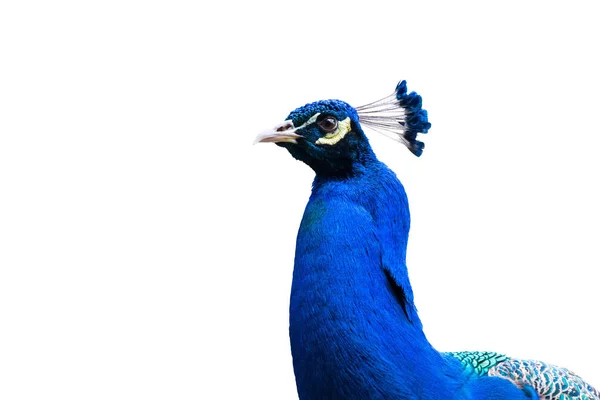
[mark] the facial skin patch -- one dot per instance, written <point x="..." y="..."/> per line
<point x="334" y="137"/>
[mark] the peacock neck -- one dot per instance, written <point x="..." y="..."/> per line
<point x="354" y="330"/>
<point x="349" y="316"/>
<point x="355" y="164"/>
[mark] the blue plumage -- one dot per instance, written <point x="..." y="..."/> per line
<point x="354" y="329"/>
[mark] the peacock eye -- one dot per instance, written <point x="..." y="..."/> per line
<point x="328" y="124"/>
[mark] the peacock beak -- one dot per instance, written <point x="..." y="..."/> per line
<point x="283" y="132"/>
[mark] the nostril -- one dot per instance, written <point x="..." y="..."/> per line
<point x="285" y="126"/>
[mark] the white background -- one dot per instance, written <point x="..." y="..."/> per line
<point x="146" y="247"/>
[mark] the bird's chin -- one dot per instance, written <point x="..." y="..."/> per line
<point x="286" y="145"/>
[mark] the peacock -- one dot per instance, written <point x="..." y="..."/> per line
<point x="354" y="330"/>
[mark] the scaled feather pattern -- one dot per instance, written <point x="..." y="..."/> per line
<point x="354" y="329"/>
<point x="549" y="381"/>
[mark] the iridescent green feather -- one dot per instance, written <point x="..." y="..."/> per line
<point x="480" y="361"/>
<point x="549" y="381"/>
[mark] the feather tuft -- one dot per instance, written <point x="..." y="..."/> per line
<point x="399" y="116"/>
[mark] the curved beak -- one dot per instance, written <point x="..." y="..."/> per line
<point x="283" y="132"/>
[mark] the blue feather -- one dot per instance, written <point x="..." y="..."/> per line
<point x="400" y="114"/>
<point x="416" y="121"/>
<point x="354" y="330"/>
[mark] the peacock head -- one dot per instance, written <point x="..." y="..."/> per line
<point x="327" y="135"/>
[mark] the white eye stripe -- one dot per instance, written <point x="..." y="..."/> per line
<point x="334" y="137"/>
<point x="311" y="120"/>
